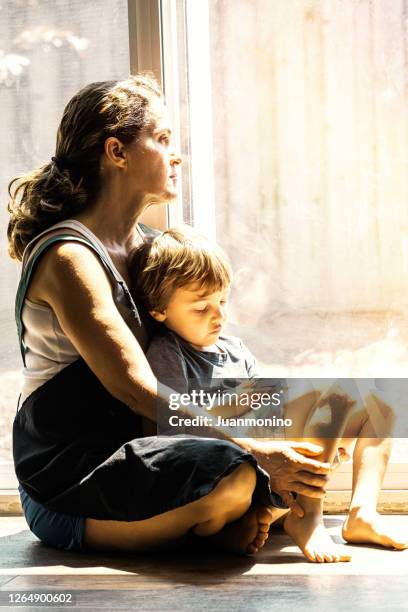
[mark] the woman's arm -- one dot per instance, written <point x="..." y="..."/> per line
<point x="71" y="281"/>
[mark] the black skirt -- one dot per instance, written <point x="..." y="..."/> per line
<point x="78" y="450"/>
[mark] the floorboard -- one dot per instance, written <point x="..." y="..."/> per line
<point x="277" y="578"/>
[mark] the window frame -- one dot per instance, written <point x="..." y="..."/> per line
<point x="145" y="55"/>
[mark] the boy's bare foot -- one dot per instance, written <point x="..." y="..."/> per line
<point x="310" y="534"/>
<point x="246" y="535"/>
<point x="370" y="528"/>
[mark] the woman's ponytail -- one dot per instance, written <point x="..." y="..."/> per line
<point x="40" y="199"/>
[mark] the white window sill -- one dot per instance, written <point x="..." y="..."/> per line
<point x="393" y="497"/>
<point x="336" y="502"/>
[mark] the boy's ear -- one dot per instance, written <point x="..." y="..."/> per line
<point x="159" y="316"/>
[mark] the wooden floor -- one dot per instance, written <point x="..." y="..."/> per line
<point x="278" y="578"/>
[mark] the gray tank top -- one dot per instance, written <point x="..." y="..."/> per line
<point x="45" y="348"/>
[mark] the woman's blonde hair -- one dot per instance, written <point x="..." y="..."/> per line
<point x="70" y="181"/>
<point x="174" y="259"/>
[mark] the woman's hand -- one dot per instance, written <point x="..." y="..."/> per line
<point x="292" y="469"/>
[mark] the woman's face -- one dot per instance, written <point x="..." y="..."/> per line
<point x="152" y="159"/>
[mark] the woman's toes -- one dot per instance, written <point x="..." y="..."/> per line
<point x="261" y="537"/>
<point x="252" y="549"/>
<point x="264" y="515"/>
<point x="259" y="541"/>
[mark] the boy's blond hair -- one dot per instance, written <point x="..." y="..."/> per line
<point x="174" y="259"/>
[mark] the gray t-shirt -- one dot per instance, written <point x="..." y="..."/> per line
<point x="182" y="368"/>
<point x="177" y="364"/>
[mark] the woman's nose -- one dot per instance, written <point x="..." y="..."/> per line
<point x="175" y="158"/>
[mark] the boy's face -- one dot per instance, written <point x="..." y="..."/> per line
<point x="195" y="314"/>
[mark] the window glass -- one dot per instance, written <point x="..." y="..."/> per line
<point x="308" y="115"/>
<point x="48" y="50"/>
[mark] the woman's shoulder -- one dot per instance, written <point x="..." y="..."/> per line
<point x="67" y="248"/>
<point x="69" y="229"/>
<point x="62" y="262"/>
<point x="72" y="255"/>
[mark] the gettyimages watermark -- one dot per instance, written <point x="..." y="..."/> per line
<point x="269" y="408"/>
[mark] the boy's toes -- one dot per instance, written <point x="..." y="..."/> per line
<point x="309" y="554"/>
<point x="260" y="539"/>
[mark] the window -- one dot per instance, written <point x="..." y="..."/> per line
<point x="294" y="159"/>
<point x="295" y="115"/>
<point x="48" y="50"/>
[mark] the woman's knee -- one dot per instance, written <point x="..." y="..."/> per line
<point x="232" y="490"/>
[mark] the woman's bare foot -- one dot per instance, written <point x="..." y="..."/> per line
<point x="246" y="535"/>
<point x="310" y="534"/>
<point x="362" y="527"/>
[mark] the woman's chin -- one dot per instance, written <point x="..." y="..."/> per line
<point x="167" y="197"/>
<point x="171" y="195"/>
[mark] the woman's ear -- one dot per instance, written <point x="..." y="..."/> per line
<point x="159" y="316"/>
<point x="114" y="151"/>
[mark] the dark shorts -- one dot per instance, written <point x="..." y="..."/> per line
<point x="65" y="531"/>
<point x="55" y="529"/>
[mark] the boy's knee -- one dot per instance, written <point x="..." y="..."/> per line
<point x="380" y="414"/>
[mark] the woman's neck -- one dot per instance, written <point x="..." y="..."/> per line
<point x="114" y="222"/>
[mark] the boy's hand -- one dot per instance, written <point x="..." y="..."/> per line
<point x="232" y="408"/>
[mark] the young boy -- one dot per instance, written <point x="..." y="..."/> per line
<point x="183" y="281"/>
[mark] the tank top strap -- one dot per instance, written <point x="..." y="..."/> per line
<point x="68" y="232"/>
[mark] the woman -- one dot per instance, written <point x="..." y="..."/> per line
<point x="78" y="447"/>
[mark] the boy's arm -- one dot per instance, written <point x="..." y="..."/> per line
<point x="236" y="410"/>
